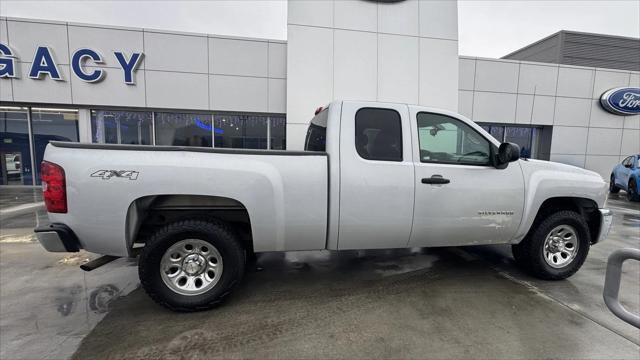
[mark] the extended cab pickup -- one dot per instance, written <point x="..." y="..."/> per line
<point x="374" y="175"/>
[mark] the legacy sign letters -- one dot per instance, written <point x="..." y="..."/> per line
<point x="83" y="64"/>
<point x="622" y="101"/>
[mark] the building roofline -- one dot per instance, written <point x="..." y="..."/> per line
<point x="600" y="35"/>
<point x="129" y="28"/>
<point x="557" y="33"/>
<point x="547" y="64"/>
<point x="564" y="32"/>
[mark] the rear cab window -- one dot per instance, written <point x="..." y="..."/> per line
<point x="316" y="139"/>
<point x="378" y="134"/>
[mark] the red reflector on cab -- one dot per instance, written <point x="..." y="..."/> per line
<point x="54" y="187"/>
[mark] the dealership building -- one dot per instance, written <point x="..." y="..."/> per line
<point x="104" y="84"/>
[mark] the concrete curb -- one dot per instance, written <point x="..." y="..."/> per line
<point x="20" y="210"/>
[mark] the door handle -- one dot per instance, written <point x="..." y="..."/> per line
<point x="435" y="179"/>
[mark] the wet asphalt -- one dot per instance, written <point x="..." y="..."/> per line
<point x="446" y="303"/>
<point x="11" y="196"/>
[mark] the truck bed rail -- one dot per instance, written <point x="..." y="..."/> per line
<point x="75" y="145"/>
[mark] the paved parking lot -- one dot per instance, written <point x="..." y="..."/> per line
<point x="436" y="303"/>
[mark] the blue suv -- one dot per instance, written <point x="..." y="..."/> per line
<point x="626" y="176"/>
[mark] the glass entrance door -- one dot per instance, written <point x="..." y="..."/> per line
<point x="51" y="124"/>
<point x="24" y="135"/>
<point x="15" y="149"/>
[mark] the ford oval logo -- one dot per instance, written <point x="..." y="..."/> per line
<point x="622" y="101"/>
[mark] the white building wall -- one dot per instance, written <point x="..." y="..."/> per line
<point x="366" y="50"/>
<point x="181" y="71"/>
<point x="565" y="97"/>
<point x="342" y="49"/>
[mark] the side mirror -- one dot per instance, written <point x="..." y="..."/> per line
<point x="628" y="166"/>
<point x="508" y="152"/>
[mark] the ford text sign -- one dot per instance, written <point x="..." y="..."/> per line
<point x="622" y="101"/>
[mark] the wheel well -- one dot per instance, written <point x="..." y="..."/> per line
<point x="587" y="208"/>
<point x="148" y="213"/>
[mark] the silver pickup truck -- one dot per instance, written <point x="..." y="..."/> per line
<point x="374" y="175"/>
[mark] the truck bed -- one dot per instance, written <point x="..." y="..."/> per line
<point x="106" y="181"/>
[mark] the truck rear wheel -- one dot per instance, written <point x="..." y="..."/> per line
<point x="191" y="265"/>
<point x="556" y="248"/>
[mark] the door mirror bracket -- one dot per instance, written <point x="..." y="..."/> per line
<point x="507" y="152"/>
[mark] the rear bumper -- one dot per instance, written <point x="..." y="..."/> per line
<point x="57" y="238"/>
<point x="606" y="218"/>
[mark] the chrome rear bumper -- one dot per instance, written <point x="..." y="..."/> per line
<point x="57" y="238"/>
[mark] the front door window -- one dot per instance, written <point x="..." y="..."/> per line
<point x="444" y="139"/>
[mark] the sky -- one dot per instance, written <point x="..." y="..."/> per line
<point x="486" y="28"/>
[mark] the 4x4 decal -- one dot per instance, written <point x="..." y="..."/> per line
<point x="108" y="174"/>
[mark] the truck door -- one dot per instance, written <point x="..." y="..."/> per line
<point x="376" y="176"/>
<point x="460" y="198"/>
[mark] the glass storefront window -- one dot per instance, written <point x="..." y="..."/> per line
<point x="121" y="127"/>
<point x="228" y="130"/>
<point x="51" y="125"/>
<point x="231" y="130"/>
<point x="181" y="129"/>
<point x="536" y="135"/>
<point x="255" y="132"/>
<point x="278" y="131"/>
<point x="15" y="153"/>
<point x="496" y="131"/>
<point x="527" y="137"/>
<point x="241" y="131"/>
<point x="520" y="136"/>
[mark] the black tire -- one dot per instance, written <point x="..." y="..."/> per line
<point x="612" y="186"/>
<point x="632" y="191"/>
<point x="529" y="253"/>
<point x="216" y="233"/>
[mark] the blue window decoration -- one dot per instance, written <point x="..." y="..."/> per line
<point x="207" y="127"/>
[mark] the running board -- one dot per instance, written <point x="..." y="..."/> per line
<point x="96" y="263"/>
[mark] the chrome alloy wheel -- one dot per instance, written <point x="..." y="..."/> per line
<point x="560" y="246"/>
<point x="191" y="267"/>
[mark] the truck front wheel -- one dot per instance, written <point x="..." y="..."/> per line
<point x="191" y="265"/>
<point x="556" y="248"/>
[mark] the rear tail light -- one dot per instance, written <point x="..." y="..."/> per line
<point x="54" y="187"/>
